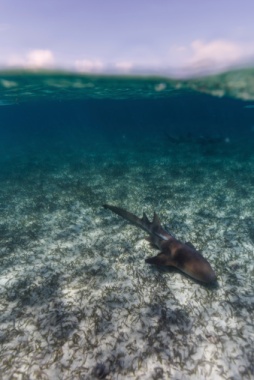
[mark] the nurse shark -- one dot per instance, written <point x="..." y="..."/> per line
<point x="172" y="253"/>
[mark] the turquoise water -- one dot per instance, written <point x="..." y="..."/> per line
<point x="77" y="299"/>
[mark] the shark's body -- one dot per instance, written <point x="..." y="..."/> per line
<point x="183" y="256"/>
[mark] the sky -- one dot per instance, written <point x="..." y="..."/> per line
<point x="126" y="35"/>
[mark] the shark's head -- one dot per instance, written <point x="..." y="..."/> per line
<point x="186" y="260"/>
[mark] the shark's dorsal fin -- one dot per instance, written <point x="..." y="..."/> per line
<point x="156" y="220"/>
<point x="145" y="218"/>
<point x="153" y="228"/>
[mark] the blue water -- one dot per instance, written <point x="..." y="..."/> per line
<point x="77" y="299"/>
<point x="69" y="125"/>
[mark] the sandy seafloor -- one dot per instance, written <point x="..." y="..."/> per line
<point x="77" y="299"/>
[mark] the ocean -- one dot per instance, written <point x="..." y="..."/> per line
<point x="77" y="299"/>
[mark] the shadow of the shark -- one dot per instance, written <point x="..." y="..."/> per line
<point x="173" y="253"/>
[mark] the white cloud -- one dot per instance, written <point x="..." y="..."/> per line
<point x="40" y="58"/>
<point x="34" y="59"/>
<point x="89" y="66"/>
<point x="124" y="66"/>
<point x="218" y="52"/>
<point x="214" y="55"/>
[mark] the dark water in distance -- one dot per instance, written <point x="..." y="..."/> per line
<point x="73" y="121"/>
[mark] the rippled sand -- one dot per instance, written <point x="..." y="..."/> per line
<point x="77" y="299"/>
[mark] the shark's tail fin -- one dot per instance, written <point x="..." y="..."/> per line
<point x="153" y="228"/>
<point x="139" y="222"/>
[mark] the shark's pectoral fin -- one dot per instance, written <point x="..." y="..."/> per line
<point x="160" y="259"/>
<point x="150" y="240"/>
<point x="190" y="245"/>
